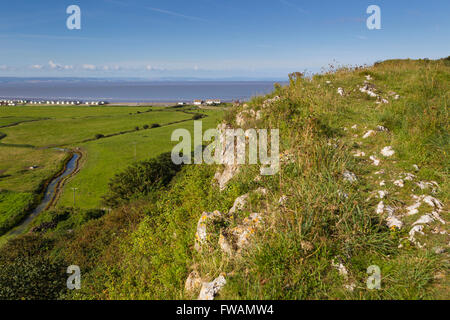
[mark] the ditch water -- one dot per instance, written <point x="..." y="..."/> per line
<point x="48" y="196"/>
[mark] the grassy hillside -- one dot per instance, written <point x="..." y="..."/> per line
<point x="363" y="182"/>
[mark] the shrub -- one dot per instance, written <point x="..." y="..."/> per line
<point x="155" y="125"/>
<point x="99" y="136"/>
<point x="141" y="179"/>
<point x="136" y="128"/>
<point x="32" y="278"/>
<point x="146" y="126"/>
<point x="197" y="116"/>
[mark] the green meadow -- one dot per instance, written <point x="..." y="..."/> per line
<point x="107" y="136"/>
<point x="105" y="157"/>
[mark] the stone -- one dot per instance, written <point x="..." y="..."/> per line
<point x="382" y="194"/>
<point x="413" y="209"/>
<point x="225" y="245"/>
<point x="359" y="153"/>
<point x="239" y="204"/>
<point x="210" y="289"/>
<point x="226" y="175"/>
<point x="268" y="102"/>
<point x="380" y="207"/>
<point x="399" y="183"/>
<point x="368" y="134"/>
<point x="193" y="282"/>
<point x="349" y="176"/>
<point x="438" y="250"/>
<point x="387" y="151"/>
<point x="201" y="234"/>
<point x="376" y="161"/>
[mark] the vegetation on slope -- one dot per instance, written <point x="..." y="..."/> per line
<point x="320" y="230"/>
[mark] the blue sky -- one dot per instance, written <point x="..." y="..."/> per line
<point x="213" y="38"/>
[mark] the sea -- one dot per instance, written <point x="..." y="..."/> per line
<point x="131" y="90"/>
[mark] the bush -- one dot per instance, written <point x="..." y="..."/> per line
<point x="99" y="136"/>
<point x="155" y="125"/>
<point x="146" y="126"/>
<point x="32" y="278"/>
<point x="197" y="116"/>
<point x="136" y="128"/>
<point x="141" y="179"/>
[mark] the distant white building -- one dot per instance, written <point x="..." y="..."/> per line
<point x="198" y="102"/>
<point x="213" y="102"/>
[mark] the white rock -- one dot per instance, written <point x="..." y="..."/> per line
<point x="416" y="167"/>
<point x="211" y="289"/>
<point x="201" y="234"/>
<point x="413" y="209"/>
<point x="399" y="183"/>
<point x="414" y="230"/>
<point x="382" y="129"/>
<point x="407" y="176"/>
<point x="354" y="127"/>
<point x="433" y="202"/>
<point x="425" y="219"/>
<point x="341" y="268"/>
<point x="193" y="282"/>
<point x="436" y="216"/>
<point x="382" y="194"/>
<point x="340" y="91"/>
<point x="349" y="176"/>
<point x="393" y="221"/>
<point x="380" y="207"/>
<point x="225" y="245"/>
<point x="439" y="250"/>
<point x="226" y="175"/>
<point x="268" y="102"/>
<point x="382" y="183"/>
<point x="387" y="151"/>
<point x="368" y="134"/>
<point x="359" y="153"/>
<point x="376" y="162"/>
<point x="239" y="204"/>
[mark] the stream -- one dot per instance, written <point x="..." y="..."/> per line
<point x="48" y="196"/>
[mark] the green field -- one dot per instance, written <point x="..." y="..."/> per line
<point x="29" y="136"/>
<point x="105" y="157"/>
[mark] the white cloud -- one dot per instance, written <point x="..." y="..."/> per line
<point x="54" y="65"/>
<point x="89" y="67"/>
<point x="36" y="66"/>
